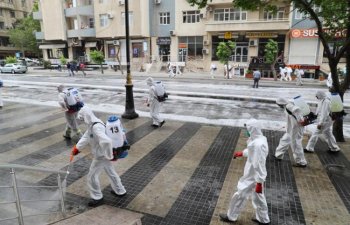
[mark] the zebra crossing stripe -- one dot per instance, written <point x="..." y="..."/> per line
<point x="169" y="182"/>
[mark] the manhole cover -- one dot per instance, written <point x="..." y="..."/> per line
<point x="338" y="170"/>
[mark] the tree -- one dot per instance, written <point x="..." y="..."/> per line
<point x="271" y="55"/>
<point x="98" y="57"/>
<point x="23" y="34"/>
<point x="333" y="19"/>
<point x="10" y="59"/>
<point x="224" y="51"/>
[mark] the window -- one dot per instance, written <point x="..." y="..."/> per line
<point x="191" y="16"/>
<point x="1" y="12"/>
<point x="194" y="48"/>
<point x="229" y="14"/>
<point x="164" y="18"/>
<point x="25" y="14"/>
<point x="23" y="2"/>
<point x="91" y="22"/>
<point x="271" y="16"/>
<point x="111" y="51"/>
<point x="101" y="1"/>
<point x="12" y="14"/>
<point x="137" y="50"/>
<point x="299" y="15"/>
<point x="103" y="20"/>
<point x="131" y="19"/>
<point x="2" y="25"/>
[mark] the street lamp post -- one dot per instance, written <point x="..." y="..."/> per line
<point x="129" y="98"/>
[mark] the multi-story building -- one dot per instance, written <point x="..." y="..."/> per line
<point x="163" y="31"/>
<point x="10" y="12"/>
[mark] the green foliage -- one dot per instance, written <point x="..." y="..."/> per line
<point x="224" y="51"/>
<point x="271" y="51"/>
<point x="10" y="59"/>
<point x="47" y="64"/>
<point x="36" y="6"/>
<point x="97" y="56"/>
<point x="63" y="60"/>
<point x="23" y="35"/>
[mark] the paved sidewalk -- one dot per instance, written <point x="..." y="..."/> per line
<point x="182" y="173"/>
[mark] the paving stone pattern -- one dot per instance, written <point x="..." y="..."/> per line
<point x="197" y="201"/>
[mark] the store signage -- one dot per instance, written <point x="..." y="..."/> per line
<point x="163" y="41"/>
<point x="227" y="35"/>
<point x="182" y="45"/>
<point x="312" y="33"/>
<point x="261" y="34"/>
<point x="302" y="66"/>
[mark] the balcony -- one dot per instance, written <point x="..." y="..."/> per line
<point x="257" y="25"/>
<point x="89" y="32"/>
<point x="39" y="35"/>
<point x="86" y="10"/>
<point x="37" y="15"/>
<point x="6" y="5"/>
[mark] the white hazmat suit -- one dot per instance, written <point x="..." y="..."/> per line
<point x="101" y="149"/>
<point x="282" y="74"/>
<point x="289" y="71"/>
<point x="254" y="176"/>
<point x="324" y="124"/>
<point x="294" y="133"/>
<point x="154" y="104"/>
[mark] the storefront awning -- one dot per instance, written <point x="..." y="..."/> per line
<point x="90" y="44"/>
<point x="52" y="46"/>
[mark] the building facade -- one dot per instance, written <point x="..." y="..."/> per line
<point x="168" y="31"/>
<point x="10" y="12"/>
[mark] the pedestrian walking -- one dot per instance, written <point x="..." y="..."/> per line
<point x="256" y="77"/>
<point x="102" y="152"/>
<point x="324" y="124"/>
<point x="289" y="71"/>
<point x="212" y="70"/>
<point x="171" y="70"/>
<point x="251" y="184"/>
<point x="70" y="114"/>
<point x="82" y="68"/>
<point x="282" y="74"/>
<point x="298" y="73"/>
<point x="154" y="104"/>
<point x="1" y="102"/>
<point x="294" y="133"/>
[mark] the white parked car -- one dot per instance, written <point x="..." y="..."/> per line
<point x="13" y="68"/>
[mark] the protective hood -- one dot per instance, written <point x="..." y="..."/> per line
<point x="282" y="101"/>
<point x="254" y="128"/>
<point x="320" y="95"/>
<point x="87" y="115"/>
<point x="60" y="88"/>
<point x="149" y="81"/>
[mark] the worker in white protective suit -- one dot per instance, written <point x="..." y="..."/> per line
<point x="69" y="114"/>
<point x="282" y="74"/>
<point x="298" y="73"/>
<point x="102" y="153"/>
<point x="154" y="104"/>
<point x="324" y="124"/>
<point x="252" y="181"/>
<point x="329" y="81"/>
<point x="289" y="71"/>
<point x="294" y="133"/>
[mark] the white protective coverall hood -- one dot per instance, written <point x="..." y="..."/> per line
<point x="254" y="172"/>
<point x="323" y="108"/>
<point x="149" y="81"/>
<point x="281" y="101"/>
<point x="95" y="135"/>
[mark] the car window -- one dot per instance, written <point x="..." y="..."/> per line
<point x="8" y="65"/>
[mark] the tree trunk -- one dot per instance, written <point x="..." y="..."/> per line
<point x="101" y="68"/>
<point x="274" y="72"/>
<point x="338" y="130"/>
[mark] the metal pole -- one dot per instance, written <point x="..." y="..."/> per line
<point x="18" y="203"/>
<point x="129" y="98"/>
<point x="63" y="207"/>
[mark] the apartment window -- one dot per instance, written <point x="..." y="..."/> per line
<point x="10" y="1"/>
<point x="271" y="16"/>
<point x="111" y="51"/>
<point x="299" y="15"/>
<point x="131" y="19"/>
<point x="191" y="16"/>
<point x="12" y="14"/>
<point x="1" y="12"/>
<point x="103" y="20"/>
<point x="229" y="14"/>
<point x="164" y="18"/>
<point x="23" y="3"/>
<point x="91" y="22"/>
<point x="2" y="25"/>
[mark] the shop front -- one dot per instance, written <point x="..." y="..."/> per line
<point x="164" y="48"/>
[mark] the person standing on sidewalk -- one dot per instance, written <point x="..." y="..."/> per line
<point x="70" y="114"/>
<point x="294" y="133"/>
<point x="252" y="182"/>
<point x="1" y="103"/>
<point x="154" y="104"/>
<point x="299" y="73"/>
<point x="256" y="77"/>
<point x="324" y="124"/>
<point x="212" y="70"/>
<point x="102" y="152"/>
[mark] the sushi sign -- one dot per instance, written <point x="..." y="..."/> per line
<point x="312" y="33"/>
